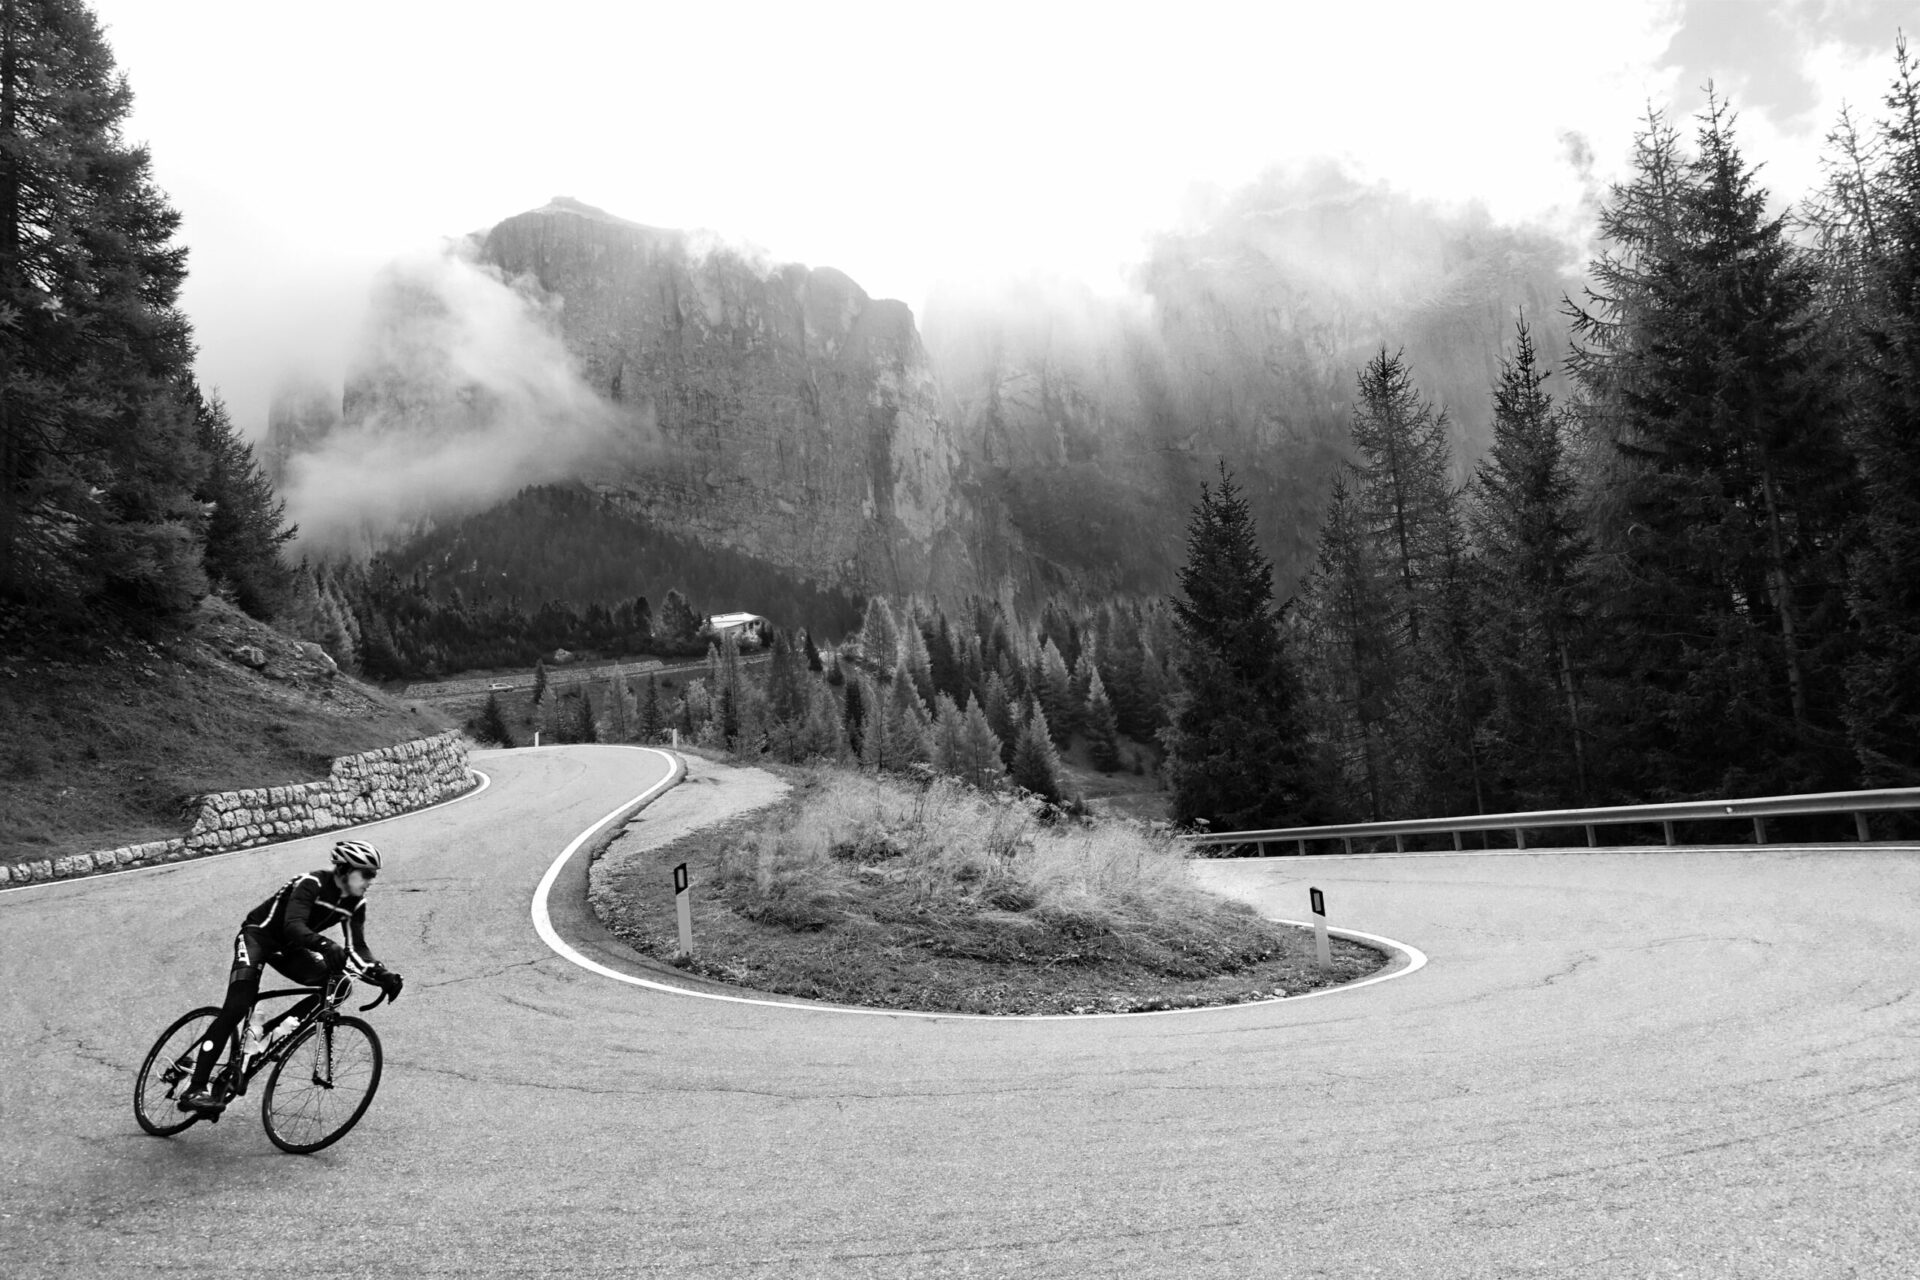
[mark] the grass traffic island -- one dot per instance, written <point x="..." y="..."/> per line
<point x="857" y="890"/>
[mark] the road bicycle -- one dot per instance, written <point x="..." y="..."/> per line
<point x="324" y="1070"/>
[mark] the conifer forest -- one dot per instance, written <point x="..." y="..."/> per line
<point x="1686" y="566"/>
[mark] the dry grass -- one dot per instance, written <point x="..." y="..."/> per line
<point x="869" y="891"/>
<point x="103" y="742"/>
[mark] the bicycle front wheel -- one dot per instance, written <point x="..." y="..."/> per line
<point x="321" y="1085"/>
<point x="167" y="1071"/>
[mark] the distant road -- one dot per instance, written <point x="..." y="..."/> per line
<point x="1698" y="1063"/>
<point x="477" y="687"/>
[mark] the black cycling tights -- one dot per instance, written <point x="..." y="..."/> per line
<point x="250" y="951"/>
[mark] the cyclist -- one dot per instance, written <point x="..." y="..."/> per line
<point x="285" y="932"/>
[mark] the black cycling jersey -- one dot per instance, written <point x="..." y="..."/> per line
<point x="294" y="916"/>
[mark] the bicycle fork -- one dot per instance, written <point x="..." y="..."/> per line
<point x="323" y="1067"/>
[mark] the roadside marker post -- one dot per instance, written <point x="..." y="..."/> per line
<point x="684" y="901"/>
<point x="1318" y="902"/>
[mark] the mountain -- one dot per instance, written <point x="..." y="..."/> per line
<point x="1041" y="440"/>
<point x="799" y="417"/>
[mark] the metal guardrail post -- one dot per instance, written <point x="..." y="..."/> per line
<point x="1456" y="840"/>
<point x="1860" y="825"/>
<point x="1399" y="843"/>
<point x="1592" y="842"/>
<point x="1519" y="837"/>
<point x="1302" y="847"/>
<point x="1349" y="840"/>
<point x="1759" y="830"/>
<point x="1669" y="829"/>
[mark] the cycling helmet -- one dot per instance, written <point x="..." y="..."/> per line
<point x="353" y="855"/>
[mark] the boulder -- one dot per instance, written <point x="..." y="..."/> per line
<point x="248" y="655"/>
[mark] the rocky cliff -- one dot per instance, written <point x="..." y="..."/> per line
<point x="1042" y="440"/>
<point x="798" y="419"/>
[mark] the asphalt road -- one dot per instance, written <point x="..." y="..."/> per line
<point x="1696" y="1064"/>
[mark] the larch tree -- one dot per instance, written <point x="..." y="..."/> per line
<point x="1036" y="765"/>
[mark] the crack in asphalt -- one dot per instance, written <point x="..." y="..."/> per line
<point x="487" y="973"/>
<point x="1580" y="961"/>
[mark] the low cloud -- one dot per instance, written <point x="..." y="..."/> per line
<point x="461" y="394"/>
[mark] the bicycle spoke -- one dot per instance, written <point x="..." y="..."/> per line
<point x="164" y="1074"/>
<point x="322" y="1085"/>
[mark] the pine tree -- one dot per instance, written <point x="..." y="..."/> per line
<point x="583" y="728"/>
<point x="786" y="682"/>
<point x="1726" y="486"/>
<point x="1081" y="681"/>
<point x="908" y="722"/>
<point x="854" y="715"/>
<point x="880" y="637"/>
<point x="825" y="739"/>
<point x="1525" y="517"/>
<point x="813" y="654"/>
<point x="915" y="660"/>
<point x="652" y="720"/>
<point x="1103" y="733"/>
<point x="947" y="735"/>
<point x="1883" y="679"/>
<point x="491" y="724"/>
<point x="943" y="660"/>
<point x="539" y="682"/>
<point x="246" y="524"/>
<point x="1054" y="686"/>
<point x="997" y="706"/>
<point x="1036" y="765"/>
<point x="98" y="462"/>
<point x="677" y="629"/>
<point x="1235" y="750"/>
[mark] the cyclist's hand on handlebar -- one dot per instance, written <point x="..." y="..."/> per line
<point x="387" y="980"/>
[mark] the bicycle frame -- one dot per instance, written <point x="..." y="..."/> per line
<point x="240" y="1071"/>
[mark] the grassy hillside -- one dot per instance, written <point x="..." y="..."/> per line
<point x="104" y="737"/>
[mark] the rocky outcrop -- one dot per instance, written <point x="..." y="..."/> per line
<point x="1043" y="439"/>
<point x="797" y="418"/>
<point x="358" y="788"/>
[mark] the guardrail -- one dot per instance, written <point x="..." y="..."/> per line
<point x="1858" y="803"/>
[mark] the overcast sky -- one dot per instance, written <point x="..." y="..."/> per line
<point x="903" y="143"/>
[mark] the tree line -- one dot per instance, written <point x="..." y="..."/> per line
<point x="1692" y="572"/>
<point x="125" y="492"/>
<point x="983" y="695"/>
<point x="555" y="566"/>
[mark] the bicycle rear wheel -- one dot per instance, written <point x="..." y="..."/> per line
<point x="166" y="1072"/>
<point x="321" y="1085"/>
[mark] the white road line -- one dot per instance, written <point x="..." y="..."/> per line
<point x="485" y="782"/>
<point x="543" y="925"/>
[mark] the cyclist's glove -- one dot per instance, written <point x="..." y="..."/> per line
<point x="388" y="981"/>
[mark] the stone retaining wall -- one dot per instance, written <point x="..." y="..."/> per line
<point x="359" y="788"/>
